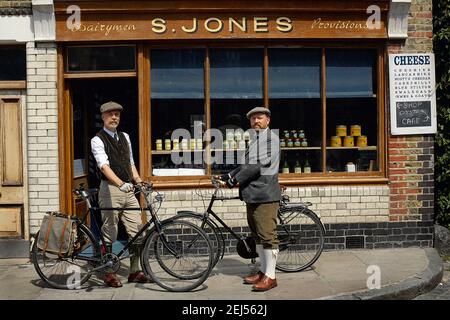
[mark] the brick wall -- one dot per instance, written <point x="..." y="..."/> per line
<point x="42" y="135"/>
<point x="411" y="158"/>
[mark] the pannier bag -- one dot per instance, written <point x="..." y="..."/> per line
<point x="57" y="234"/>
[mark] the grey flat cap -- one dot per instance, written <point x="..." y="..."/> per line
<point x="108" y="106"/>
<point x="258" y="109"/>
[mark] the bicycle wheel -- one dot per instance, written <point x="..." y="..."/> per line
<point x="180" y="258"/>
<point x="69" y="272"/>
<point x="210" y="228"/>
<point x="301" y="236"/>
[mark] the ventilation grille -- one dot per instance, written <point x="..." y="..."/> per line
<point x="354" y="242"/>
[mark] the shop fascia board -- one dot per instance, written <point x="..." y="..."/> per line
<point x="398" y="19"/>
<point x="44" y="20"/>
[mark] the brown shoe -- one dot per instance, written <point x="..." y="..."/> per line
<point x="265" y="284"/>
<point x="253" y="278"/>
<point x="111" y="280"/>
<point x="140" y="277"/>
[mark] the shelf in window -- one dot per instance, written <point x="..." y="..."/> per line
<point x="164" y="152"/>
<point x="301" y="148"/>
<point x="368" y="148"/>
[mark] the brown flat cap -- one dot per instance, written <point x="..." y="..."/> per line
<point x="109" y="106"/>
<point x="258" y="110"/>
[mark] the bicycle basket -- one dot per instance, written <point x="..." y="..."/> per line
<point x="57" y="234"/>
<point x="242" y="249"/>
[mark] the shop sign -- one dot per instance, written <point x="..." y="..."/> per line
<point x="219" y="26"/>
<point x="412" y="93"/>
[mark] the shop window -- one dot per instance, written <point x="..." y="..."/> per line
<point x="177" y="112"/>
<point x="12" y="64"/>
<point x="324" y="104"/>
<point x="294" y="93"/>
<point x="352" y="121"/>
<point x="236" y="87"/>
<point x="101" y="58"/>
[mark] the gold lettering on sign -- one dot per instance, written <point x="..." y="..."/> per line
<point x="216" y="20"/>
<point x="317" y="23"/>
<point x="261" y="24"/>
<point x="159" y="25"/>
<point x="194" y="26"/>
<point x="242" y="26"/>
<point x="284" y="24"/>
<point x="106" y="29"/>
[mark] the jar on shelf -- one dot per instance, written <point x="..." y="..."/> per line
<point x="226" y="145"/>
<point x="246" y="135"/>
<point x="349" y="141"/>
<point x="199" y="144"/>
<point x="286" y="134"/>
<point x="304" y="142"/>
<point x="282" y="143"/>
<point x="176" y="144"/>
<point x="341" y="130"/>
<point x="301" y="134"/>
<point x="241" y="144"/>
<point x="184" y="144"/>
<point x="167" y="145"/>
<point x="159" y="145"/>
<point x="298" y="167"/>
<point x="355" y="130"/>
<point x="297" y="143"/>
<point x="232" y="144"/>
<point x="238" y="135"/>
<point x="229" y="135"/>
<point x="293" y="135"/>
<point x="336" y="141"/>
<point x="361" y="141"/>
<point x="192" y="144"/>
<point x="290" y="143"/>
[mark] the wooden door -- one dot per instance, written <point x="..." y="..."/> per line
<point x="11" y="169"/>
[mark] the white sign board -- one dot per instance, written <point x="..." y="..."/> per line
<point x="412" y="93"/>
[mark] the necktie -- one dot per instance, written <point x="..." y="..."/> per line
<point x="115" y="137"/>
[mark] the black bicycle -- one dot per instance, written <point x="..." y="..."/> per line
<point x="176" y="254"/>
<point x="300" y="232"/>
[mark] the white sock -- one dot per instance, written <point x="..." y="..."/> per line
<point x="262" y="260"/>
<point x="270" y="256"/>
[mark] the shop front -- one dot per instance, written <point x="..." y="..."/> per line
<point x="187" y="71"/>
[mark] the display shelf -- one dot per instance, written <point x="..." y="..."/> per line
<point x="368" y="148"/>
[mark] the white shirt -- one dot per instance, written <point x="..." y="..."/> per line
<point x="98" y="149"/>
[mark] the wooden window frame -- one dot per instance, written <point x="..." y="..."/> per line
<point x="317" y="178"/>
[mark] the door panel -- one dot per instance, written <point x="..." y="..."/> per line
<point x="12" y="142"/>
<point x="11" y="168"/>
<point x="11" y="220"/>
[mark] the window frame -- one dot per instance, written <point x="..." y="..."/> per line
<point x="317" y="178"/>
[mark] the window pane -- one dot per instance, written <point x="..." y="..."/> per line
<point x="352" y="117"/>
<point x="236" y="88"/>
<point x="294" y="73"/>
<point x="12" y="63"/>
<point x="177" y="74"/>
<point x="351" y="73"/>
<point x="101" y="58"/>
<point x="237" y="74"/>
<point x="177" y="112"/>
<point x="294" y="92"/>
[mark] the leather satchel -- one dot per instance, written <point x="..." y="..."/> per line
<point x="57" y="234"/>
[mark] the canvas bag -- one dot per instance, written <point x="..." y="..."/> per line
<point x="57" y="234"/>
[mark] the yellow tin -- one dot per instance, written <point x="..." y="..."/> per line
<point x="349" y="141"/>
<point x="355" y="130"/>
<point x="167" y="144"/>
<point x="341" y="131"/>
<point x="159" y="144"/>
<point x="361" y="141"/>
<point x="336" y="141"/>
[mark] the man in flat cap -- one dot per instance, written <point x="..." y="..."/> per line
<point x="259" y="189"/>
<point x="113" y="153"/>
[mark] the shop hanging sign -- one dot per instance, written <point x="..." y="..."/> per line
<point x="412" y="93"/>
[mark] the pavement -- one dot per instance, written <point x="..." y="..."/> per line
<point x="404" y="273"/>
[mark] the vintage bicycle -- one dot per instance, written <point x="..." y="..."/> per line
<point x="176" y="254"/>
<point x="300" y="232"/>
